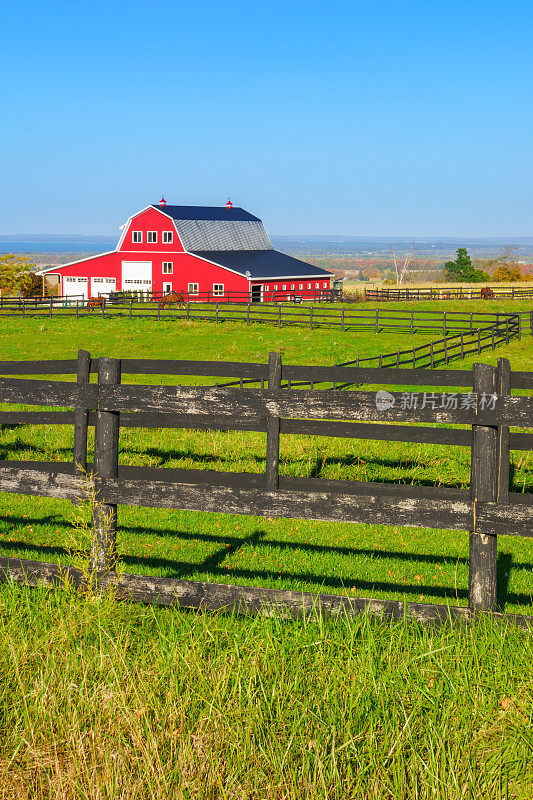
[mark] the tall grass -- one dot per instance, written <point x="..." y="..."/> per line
<point x="106" y="700"/>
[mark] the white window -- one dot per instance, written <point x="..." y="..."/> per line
<point x="151" y="237"/>
<point x="167" y="237"/>
<point x="137" y="237"/>
<point x="167" y="267"/>
<point x="275" y="287"/>
<point x="308" y="285"/>
<point x="218" y="289"/>
<point x="292" y="285"/>
<point x="317" y="286"/>
<point x="300" y="286"/>
<point x="325" y="285"/>
<point x="193" y="288"/>
<point x="284" y="286"/>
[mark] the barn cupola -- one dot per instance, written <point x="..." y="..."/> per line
<point x="162" y="202"/>
<point x="229" y="205"/>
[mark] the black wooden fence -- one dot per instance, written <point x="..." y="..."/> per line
<point x="484" y="404"/>
<point x="343" y="319"/>
<point x="395" y="295"/>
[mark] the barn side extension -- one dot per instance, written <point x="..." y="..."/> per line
<point x="486" y="405"/>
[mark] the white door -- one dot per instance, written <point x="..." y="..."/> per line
<point x="75" y="286"/>
<point x="102" y="286"/>
<point x="136" y="276"/>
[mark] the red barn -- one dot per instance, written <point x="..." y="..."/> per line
<point x="203" y="251"/>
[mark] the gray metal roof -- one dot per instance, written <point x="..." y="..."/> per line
<point x="217" y="228"/>
<point x="203" y="234"/>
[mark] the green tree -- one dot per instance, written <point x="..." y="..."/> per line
<point x="462" y="270"/>
<point x="15" y="273"/>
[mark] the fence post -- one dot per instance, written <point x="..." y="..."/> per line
<point x="503" y="388"/>
<point x="272" y="448"/>
<point x="483" y="487"/>
<point x="104" y="531"/>
<point x="81" y="415"/>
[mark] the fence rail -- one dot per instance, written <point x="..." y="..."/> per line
<point x="446" y="293"/>
<point x="487" y="510"/>
<point x="344" y="318"/>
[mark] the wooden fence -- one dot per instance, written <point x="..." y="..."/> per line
<point x="487" y="509"/>
<point x="446" y="293"/>
<point x="343" y="319"/>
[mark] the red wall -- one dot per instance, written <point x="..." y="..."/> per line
<point x="150" y="220"/>
<point x="186" y="269"/>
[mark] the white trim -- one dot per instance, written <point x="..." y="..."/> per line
<point x="169" y="272"/>
<point x="290" y="278"/>
<point x="148" y="240"/>
<point x="71" y="263"/>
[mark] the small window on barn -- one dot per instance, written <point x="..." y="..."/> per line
<point x="308" y="285"/>
<point x="137" y="237"/>
<point x="292" y="285"/>
<point x="300" y="286"/>
<point x="275" y="287"/>
<point x="151" y="237"/>
<point x="317" y="286"/>
<point x="284" y="286"/>
<point x="167" y="267"/>
<point x="266" y="287"/>
<point x="193" y="288"/>
<point x="218" y="289"/>
<point x="167" y="237"/>
<point x="325" y="284"/>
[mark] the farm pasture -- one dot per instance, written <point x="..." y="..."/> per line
<point x="99" y="696"/>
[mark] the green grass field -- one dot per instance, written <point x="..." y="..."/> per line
<point x="106" y="700"/>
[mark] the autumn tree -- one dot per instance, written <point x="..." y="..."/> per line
<point x="15" y="273"/>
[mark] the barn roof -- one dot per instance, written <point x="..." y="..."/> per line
<point x="217" y="228"/>
<point x="235" y="214"/>
<point x="267" y="264"/>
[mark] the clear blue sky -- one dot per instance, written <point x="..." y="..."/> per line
<point x="357" y="118"/>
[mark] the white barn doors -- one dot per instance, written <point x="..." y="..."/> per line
<point x="136" y="276"/>
<point x="73" y="285"/>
